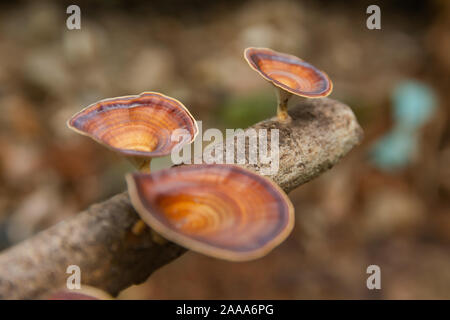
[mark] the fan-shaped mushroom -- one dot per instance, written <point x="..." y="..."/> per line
<point x="223" y="211"/>
<point x="138" y="127"/>
<point x="290" y="75"/>
<point x="85" y="293"/>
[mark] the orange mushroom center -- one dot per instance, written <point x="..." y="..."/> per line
<point x="197" y="212"/>
<point x="132" y="129"/>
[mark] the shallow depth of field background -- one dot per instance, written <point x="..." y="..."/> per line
<point x="395" y="215"/>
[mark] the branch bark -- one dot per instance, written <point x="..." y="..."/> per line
<point x="99" y="240"/>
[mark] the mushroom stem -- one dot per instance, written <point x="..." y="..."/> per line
<point x="140" y="226"/>
<point x="144" y="166"/>
<point x="282" y="106"/>
<point x="141" y="164"/>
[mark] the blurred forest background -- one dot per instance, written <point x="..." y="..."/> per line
<point x="387" y="203"/>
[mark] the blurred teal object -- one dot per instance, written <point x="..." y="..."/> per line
<point x="394" y="150"/>
<point x="414" y="103"/>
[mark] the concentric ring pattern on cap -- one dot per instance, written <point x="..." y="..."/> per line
<point x="223" y="211"/>
<point x="139" y="125"/>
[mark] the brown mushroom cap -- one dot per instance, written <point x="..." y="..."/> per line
<point x="289" y="73"/>
<point x="85" y="293"/>
<point x="139" y="126"/>
<point x="223" y="211"/>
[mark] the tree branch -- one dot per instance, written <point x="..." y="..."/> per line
<point x="99" y="240"/>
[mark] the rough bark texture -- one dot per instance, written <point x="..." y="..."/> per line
<point x="99" y="240"/>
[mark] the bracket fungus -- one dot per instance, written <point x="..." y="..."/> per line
<point x="290" y="75"/>
<point x="220" y="210"/>
<point x="138" y="127"/>
<point x="84" y="293"/>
